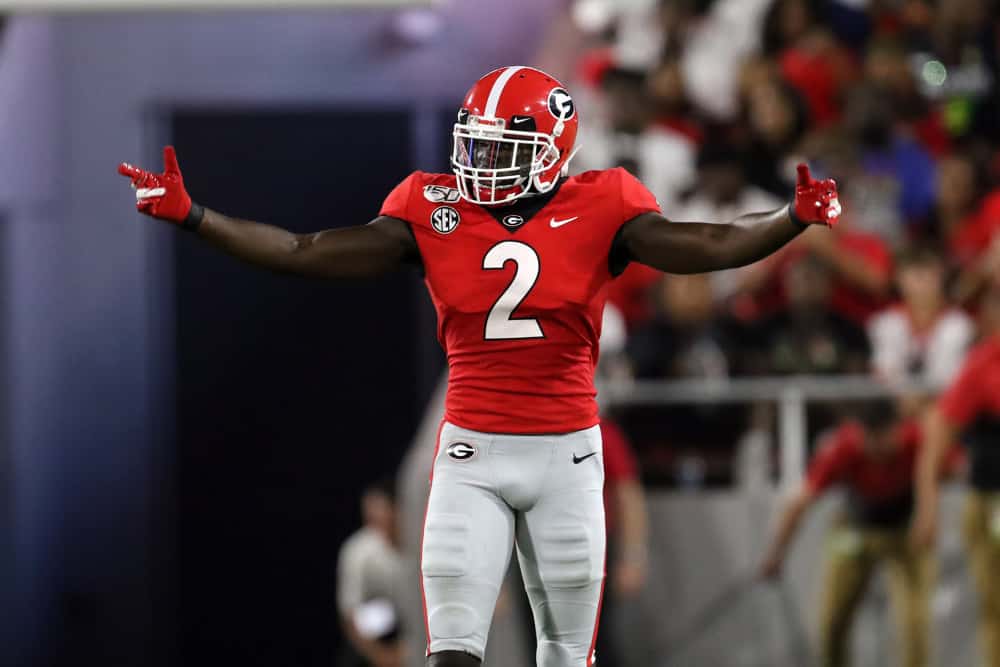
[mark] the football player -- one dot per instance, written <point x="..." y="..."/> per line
<point x="517" y="257"/>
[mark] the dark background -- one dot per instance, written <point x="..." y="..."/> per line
<point x="291" y="394"/>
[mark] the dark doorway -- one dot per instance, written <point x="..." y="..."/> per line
<point x="291" y="395"/>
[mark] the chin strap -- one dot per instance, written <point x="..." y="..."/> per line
<point x="542" y="188"/>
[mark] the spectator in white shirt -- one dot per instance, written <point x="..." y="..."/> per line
<point x="370" y="574"/>
<point x="923" y="337"/>
<point x="622" y="134"/>
<point x="723" y="193"/>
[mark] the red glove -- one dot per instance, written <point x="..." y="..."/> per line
<point x="163" y="195"/>
<point x="816" y="202"/>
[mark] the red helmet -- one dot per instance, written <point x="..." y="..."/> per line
<point x="514" y="136"/>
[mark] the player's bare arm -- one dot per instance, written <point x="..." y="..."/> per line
<point x="938" y="435"/>
<point x="697" y="247"/>
<point x="788" y="525"/>
<point x="363" y="251"/>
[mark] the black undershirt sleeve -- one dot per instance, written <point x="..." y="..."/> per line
<point x="619" y="256"/>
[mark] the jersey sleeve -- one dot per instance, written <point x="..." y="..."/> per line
<point x="397" y="204"/>
<point x="636" y="197"/>
<point x="963" y="400"/>
<point x="830" y="462"/>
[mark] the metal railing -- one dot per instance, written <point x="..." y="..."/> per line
<point x="790" y="393"/>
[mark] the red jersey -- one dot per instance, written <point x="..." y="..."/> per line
<point x="519" y="302"/>
<point x="976" y="232"/>
<point x="842" y="460"/>
<point x="972" y="403"/>
<point x="880" y="491"/>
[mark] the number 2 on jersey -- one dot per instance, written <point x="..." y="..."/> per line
<point x="499" y="323"/>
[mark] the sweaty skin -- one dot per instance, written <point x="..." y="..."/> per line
<point x="385" y="244"/>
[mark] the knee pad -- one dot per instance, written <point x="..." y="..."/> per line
<point x="445" y="549"/>
<point x="557" y="654"/>
<point x="567" y="557"/>
<point x="444" y="565"/>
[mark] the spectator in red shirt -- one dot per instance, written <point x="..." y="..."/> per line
<point x="874" y="459"/>
<point x="808" y="56"/>
<point x="628" y="529"/>
<point x="860" y="262"/>
<point x="970" y="410"/>
<point x="976" y="246"/>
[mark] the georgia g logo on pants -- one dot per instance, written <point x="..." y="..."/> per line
<point x="460" y="451"/>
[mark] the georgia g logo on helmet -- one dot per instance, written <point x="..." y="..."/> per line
<point x="561" y="104"/>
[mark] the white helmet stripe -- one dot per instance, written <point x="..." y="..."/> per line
<point x="494" y="99"/>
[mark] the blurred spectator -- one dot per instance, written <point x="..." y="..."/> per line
<point x="671" y="105"/>
<point x="629" y="293"/>
<point x="957" y="213"/>
<point x="723" y="194"/>
<point x="662" y="156"/>
<point x="685" y="338"/>
<point x="628" y="548"/>
<point x="370" y="573"/>
<point x="719" y="37"/>
<point x="860" y="264"/>
<point x="775" y="119"/>
<point x="626" y="137"/>
<point x="807" y="336"/>
<point x="809" y="58"/>
<point x="689" y="445"/>
<point x="874" y="458"/>
<point x="923" y="337"/>
<point x="888" y="67"/>
<point x="889" y="156"/>
<point x="968" y="224"/>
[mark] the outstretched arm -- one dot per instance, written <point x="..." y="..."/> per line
<point x="366" y="251"/>
<point x="353" y="252"/>
<point x="788" y="525"/>
<point x="939" y="433"/>
<point x="696" y="247"/>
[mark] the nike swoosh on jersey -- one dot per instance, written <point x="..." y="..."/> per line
<point x="580" y="459"/>
<point x="555" y="224"/>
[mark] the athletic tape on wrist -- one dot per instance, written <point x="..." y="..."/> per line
<point x="794" y="218"/>
<point x="193" y="219"/>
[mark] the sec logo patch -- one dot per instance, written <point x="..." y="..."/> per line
<point x="461" y="451"/>
<point x="445" y="219"/>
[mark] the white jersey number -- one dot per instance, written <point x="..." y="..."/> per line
<point x="499" y="323"/>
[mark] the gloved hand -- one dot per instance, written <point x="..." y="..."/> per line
<point x="815" y="202"/>
<point x="163" y="195"/>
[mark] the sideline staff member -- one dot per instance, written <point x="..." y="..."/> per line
<point x="874" y="458"/>
<point x="970" y="410"/>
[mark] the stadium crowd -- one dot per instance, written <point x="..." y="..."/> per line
<point x="711" y="103"/>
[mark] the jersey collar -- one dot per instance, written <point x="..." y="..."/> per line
<point x="515" y="216"/>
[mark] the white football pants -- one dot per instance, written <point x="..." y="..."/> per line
<point x="542" y="493"/>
